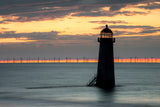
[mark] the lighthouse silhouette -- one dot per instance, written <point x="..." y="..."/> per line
<point x="105" y="71"/>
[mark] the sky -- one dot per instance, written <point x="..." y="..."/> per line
<point x="70" y="28"/>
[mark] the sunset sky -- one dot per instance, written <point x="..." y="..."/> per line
<point x="69" y="28"/>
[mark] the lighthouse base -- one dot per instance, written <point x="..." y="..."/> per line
<point x="105" y="84"/>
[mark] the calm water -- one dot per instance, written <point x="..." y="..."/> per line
<point x="64" y="85"/>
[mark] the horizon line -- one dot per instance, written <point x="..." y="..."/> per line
<point x="119" y="60"/>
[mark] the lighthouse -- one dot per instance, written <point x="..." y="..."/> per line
<point x="105" y="71"/>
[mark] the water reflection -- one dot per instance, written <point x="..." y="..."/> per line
<point x="106" y="95"/>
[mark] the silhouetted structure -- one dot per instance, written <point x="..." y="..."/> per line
<point x="105" y="73"/>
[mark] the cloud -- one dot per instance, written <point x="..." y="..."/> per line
<point x="150" y="30"/>
<point x="2" y="28"/>
<point x="118" y="4"/>
<point x="131" y="13"/>
<point x="15" y="6"/>
<point x="130" y="30"/>
<point x="51" y="38"/>
<point x="125" y="27"/>
<point x="130" y="26"/>
<point x="151" y="5"/>
<point x="110" y="22"/>
<point x="34" y="36"/>
<point x="109" y="13"/>
<point x="33" y="10"/>
<point x="15" y="40"/>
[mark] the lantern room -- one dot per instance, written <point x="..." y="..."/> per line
<point x="106" y="33"/>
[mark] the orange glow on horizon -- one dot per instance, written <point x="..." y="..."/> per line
<point x="127" y="60"/>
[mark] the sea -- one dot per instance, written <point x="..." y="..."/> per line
<point x="65" y="85"/>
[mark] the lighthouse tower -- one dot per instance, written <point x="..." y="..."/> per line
<point x="105" y="72"/>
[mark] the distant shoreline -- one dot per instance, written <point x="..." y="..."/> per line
<point x="120" y="60"/>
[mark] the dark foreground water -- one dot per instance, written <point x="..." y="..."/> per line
<point x="64" y="85"/>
